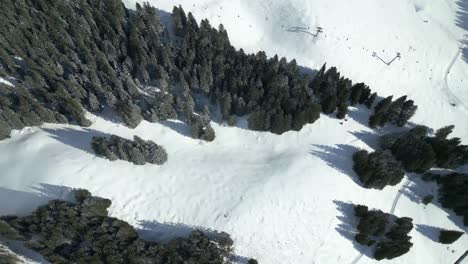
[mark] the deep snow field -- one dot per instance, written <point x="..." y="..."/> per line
<point x="284" y="199"/>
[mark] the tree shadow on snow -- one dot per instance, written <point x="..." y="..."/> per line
<point x="347" y="226"/>
<point x="164" y="232"/>
<point x="339" y="158"/>
<point x="430" y="232"/>
<point x="462" y="22"/>
<point x="79" y="138"/>
<point x="21" y="203"/>
<point x="360" y="114"/>
<point x="369" y="138"/>
<point x="178" y="126"/>
<point x="418" y="189"/>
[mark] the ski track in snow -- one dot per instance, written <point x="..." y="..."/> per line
<point x="356" y="260"/>
<point x="447" y="87"/>
<point x="397" y="197"/>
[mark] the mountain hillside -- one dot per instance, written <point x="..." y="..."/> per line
<point x="284" y="196"/>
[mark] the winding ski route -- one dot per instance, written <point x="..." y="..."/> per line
<point x="356" y="260"/>
<point x="447" y="72"/>
<point x="397" y="197"/>
<point x="394" y="204"/>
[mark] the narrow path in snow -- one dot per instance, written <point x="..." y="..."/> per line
<point x="356" y="260"/>
<point x="397" y="197"/>
<point x="394" y="204"/>
<point x="447" y="87"/>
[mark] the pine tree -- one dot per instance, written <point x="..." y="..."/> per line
<point x="356" y="92"/>
<point x="442" y="133"/>
<point x="369" y="102"/>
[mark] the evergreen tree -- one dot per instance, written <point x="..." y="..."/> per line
<point x="369" y="102"/>
<point x="378" y="169"/>
<point x="449" y="236"/>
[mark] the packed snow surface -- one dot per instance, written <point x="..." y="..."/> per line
<point x="284" y="199"/>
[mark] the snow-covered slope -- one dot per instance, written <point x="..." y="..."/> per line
<point x="284" y="199"/>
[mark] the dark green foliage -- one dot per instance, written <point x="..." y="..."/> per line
<point x="449" y="236"/>
<point x="325" y="86"/>
<point x="419" y="152"/>
<point x="273" y="91"/>
<point x="396" y="112"/>
<point x="201" y="128"/>
<point x="369" y="102"/>
<point x="427" y="199"/>
<point x="453" y="194"/>
<point x="100" y="55"/>
<point x="391" y="249"/>
<point x="343" y="94"/>
<point x="252" y="261"/>
<point x="442" y="133"/>
<point x="415" y="154"/>
<point x="388" y="232"/>
<point x="449" y="152"/>
<point x="81" y="195"/>
<point x="138" y="151"/>
<point x="362" y="238"/>
<point x="378" y="169"/>
<point x="357" y="91"/>
<point x="66" y="232"/>
<point x="19" y="109"/>
<point x="7" y="232"/>
<point x="373" y="223"/>
<point x="361" y="210"/>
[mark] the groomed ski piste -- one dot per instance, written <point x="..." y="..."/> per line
<point x="283" y="198"/>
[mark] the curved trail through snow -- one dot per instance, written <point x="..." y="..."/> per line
<point x="450" y="93"/>
<point x="356" y="260"/>
<point x="397" y="197"/>
<point x="394" y="204"/>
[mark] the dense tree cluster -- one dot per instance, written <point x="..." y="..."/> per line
<point x="419" y="152"/>
<point x="274" y="92"/>
<point x="377" y="169"/>
<point x="82" y="232"/>
<point x="397" y="241"/>
<point x="387" y="232"/>
<point x="19" y="109"/>
<point x="138" y="151"/>
<point x="452" y="192"/>
<point x="449" y="236"/>
<point x="73" y="56"/>
<point x="396" y="112"/>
